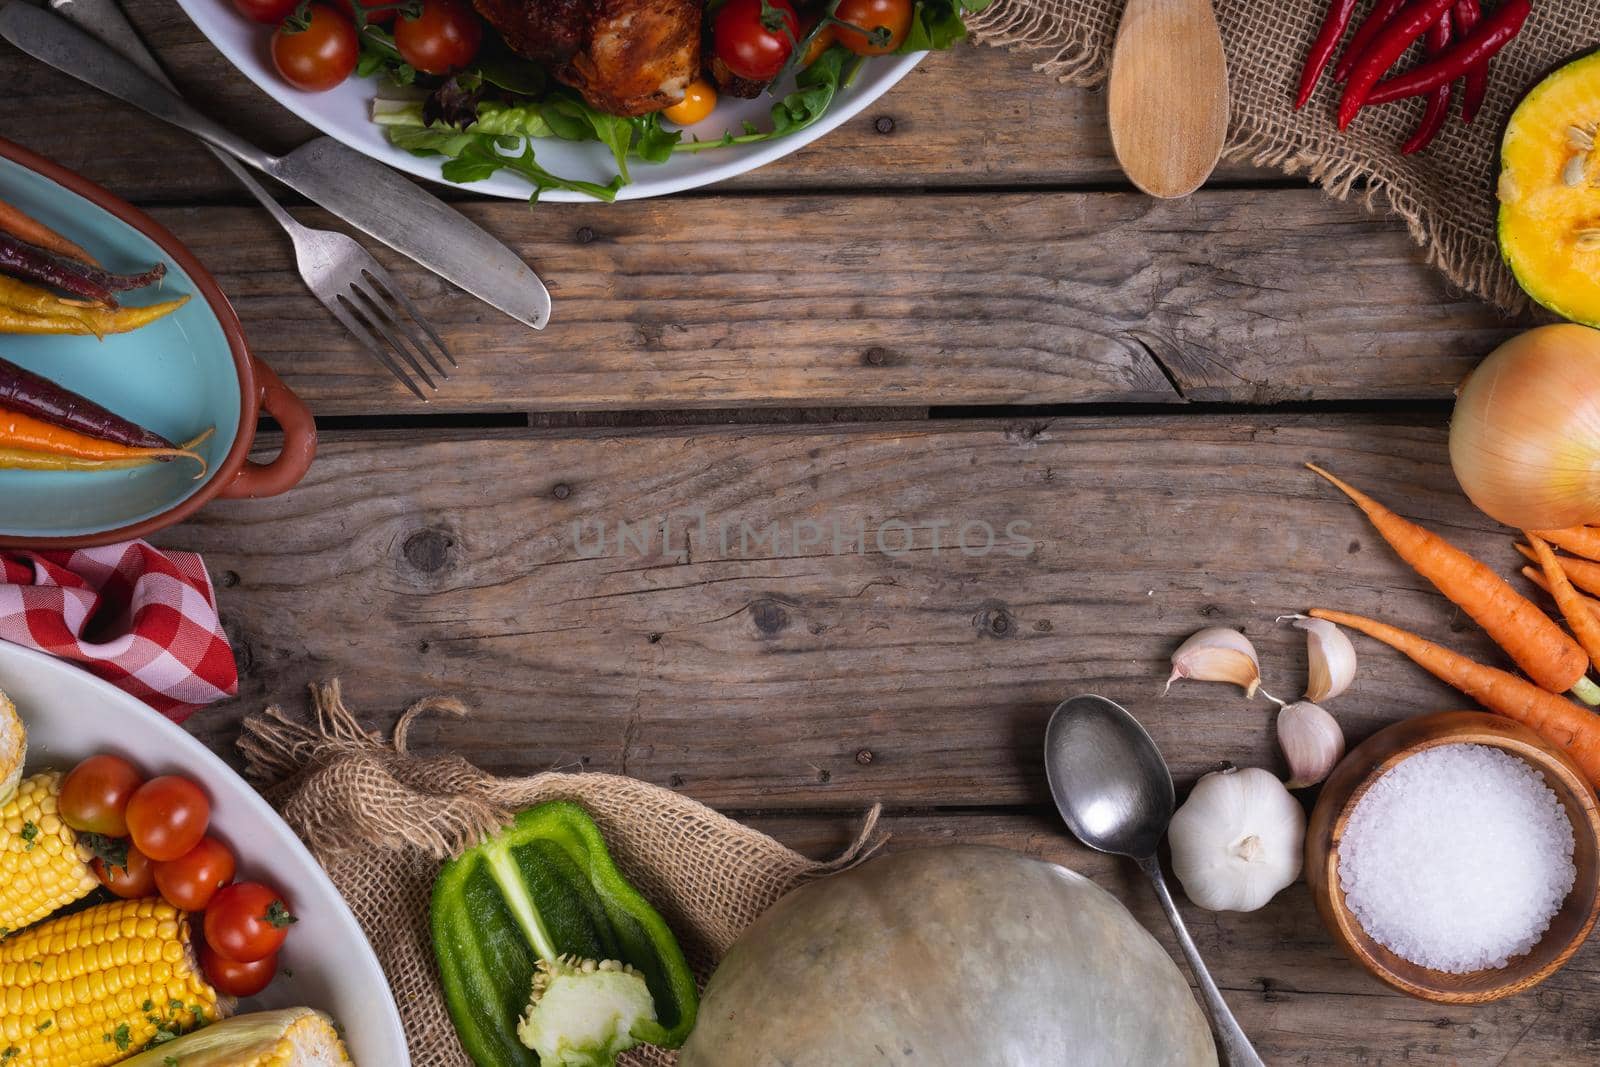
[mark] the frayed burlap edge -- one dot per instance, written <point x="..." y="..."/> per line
<point x="1076" y="52"/>
<point x="380" y="819"/>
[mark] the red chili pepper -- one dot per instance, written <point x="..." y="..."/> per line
<point x="1412" y="22"/>
<point x="1467" y="14"/>
<point x="1438" y="109"/>
<point x="1382" y="13"/>
<point x="1322" y="49"/>
<point x="1492" y="34"/>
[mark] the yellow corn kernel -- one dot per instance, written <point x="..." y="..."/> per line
<point x="43" y="865"/>
<point x="88" y="989"/>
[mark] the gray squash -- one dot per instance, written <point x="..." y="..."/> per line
<point x="962" y="956"/>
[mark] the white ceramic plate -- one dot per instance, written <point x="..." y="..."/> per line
<point x="70" y="714"/>
<point x="343" y="113"/>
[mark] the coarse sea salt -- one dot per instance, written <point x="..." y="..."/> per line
<point x="1457" y="858"/>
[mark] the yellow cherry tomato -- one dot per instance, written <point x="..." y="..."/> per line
<point x="698" y="101"/>
<point x="819" y="44"/>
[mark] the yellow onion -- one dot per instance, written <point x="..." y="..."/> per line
<point x="1525" y="437"/>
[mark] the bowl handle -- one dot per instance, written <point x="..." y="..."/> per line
<point x="299" y="441"/>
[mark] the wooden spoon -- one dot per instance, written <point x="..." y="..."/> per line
<point x="1168" y="96"/>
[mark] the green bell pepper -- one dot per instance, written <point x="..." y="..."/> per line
<point x="541" y="912"/>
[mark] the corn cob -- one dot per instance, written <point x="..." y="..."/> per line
<point x="43" y="865"/>
<point x="293" y="1037"/>
<point x="13" y="748"/>
<point x="90" y="988"/>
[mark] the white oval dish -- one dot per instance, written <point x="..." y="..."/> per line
<point x="343" y="113"/>
<point x="71" y="714"/>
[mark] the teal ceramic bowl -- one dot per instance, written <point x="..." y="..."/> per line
<point x="178" y="376"/>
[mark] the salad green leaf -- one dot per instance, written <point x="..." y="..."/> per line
<point x="937" y="24"/>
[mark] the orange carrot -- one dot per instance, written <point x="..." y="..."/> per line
<point x="34" y="232"/>
<point x="1530" y="637"/>
<point x="1536" y="576"/>
<point x="1568" y="599"/>
<point x="35" y="435"/>
<point x="1583" y="573"/>
<point x="1554" y="718"/>
<point x="1579" y="540"/>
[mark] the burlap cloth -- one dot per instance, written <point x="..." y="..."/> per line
<point x="1445" y="194"/>
<point x="380" y="820"/>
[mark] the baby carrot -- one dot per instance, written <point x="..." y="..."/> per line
<point x="14" y="222"/>
<point x="1583" y="573"/>
<point x="1579" y="540"/>
<point x="1568" y="599"/>
<point x="1530" y="637"/>
<point x="1536" y="576"/>
<point x="1555" y="718"/>
<point x="35" y="435"/>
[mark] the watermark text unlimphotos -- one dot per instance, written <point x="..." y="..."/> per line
<point x="698" y="535"/>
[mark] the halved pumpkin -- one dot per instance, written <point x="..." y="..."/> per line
<point x="1550" y="192"/>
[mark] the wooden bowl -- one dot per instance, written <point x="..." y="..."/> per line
<point x="1368" y="762"/>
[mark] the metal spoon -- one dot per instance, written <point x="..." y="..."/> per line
<point x="1115" y="792"/>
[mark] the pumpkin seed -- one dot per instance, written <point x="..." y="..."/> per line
<point x="1589" y="240"/>
<point x="1507" y="189"/>
<point x="1581" y="137"/>
<point x="1577" y="170"/>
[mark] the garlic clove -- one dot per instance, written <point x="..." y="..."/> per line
<point x="1217" y="654"/>
<point x="1311" y="740"/>
<point x="1331" y="658"/>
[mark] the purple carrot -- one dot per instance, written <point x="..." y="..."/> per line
<point x="24" y="391"/>
<point x="30" y="262"/>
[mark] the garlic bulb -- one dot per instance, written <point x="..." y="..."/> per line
<point x="1311" y="741"/>
<point x="1330" y="657"/>
<point x="1237" y="840"/>
<point x="1218" y="655"/>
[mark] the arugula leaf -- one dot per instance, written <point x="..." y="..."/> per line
<point x="573" y="119"/>
<point x="652" y="142"/>
<point x="380" y="56"/>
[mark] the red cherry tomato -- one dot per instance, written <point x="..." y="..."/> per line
<point x="167" y="816"/>
<point x="749" y="47"/>
<point x="94" y="795"/>
<point x="237" y="979"/>
<point x="890" y="18"/>
<point x="133" y="877"/>
<point x="270" y="12"/>
<point x="247" y="921"/>
<point x="317" y="53"/>
<point x="443" y="38"/>
<point x="189" y="882"/>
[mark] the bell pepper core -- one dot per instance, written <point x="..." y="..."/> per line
<point x="545" y="886"/>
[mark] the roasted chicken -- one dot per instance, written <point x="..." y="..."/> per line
<point x="627" y="57"/>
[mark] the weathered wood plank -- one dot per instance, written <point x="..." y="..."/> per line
<point x="781" y="675"/>
<point x="977" y="116"/>
<point x="963" y="299"/>
<point x="1297" y="997"/>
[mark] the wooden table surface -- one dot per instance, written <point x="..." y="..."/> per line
<point x="949" y="312"/>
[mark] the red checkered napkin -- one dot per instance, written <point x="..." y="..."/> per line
<point x="144" y="620"/>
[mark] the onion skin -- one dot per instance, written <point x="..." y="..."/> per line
<point x="1525" y="436"/>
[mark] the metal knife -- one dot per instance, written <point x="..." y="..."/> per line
<point x="359" y="190"/>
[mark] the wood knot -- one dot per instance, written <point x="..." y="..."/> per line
<point x="883" y="124"/>
<point x="770" y="617"/>
<point x="561" y="491"/>
<point x="428" y="550"/>
<point x="864" y="757"/>
<point x="875" y="356"/>
<point x="585" y="235"/>
<point x="995" y="621"/>
<point x="229" y="579"/>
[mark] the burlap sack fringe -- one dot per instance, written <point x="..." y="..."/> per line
<point x="381" y="819"/>
<point x="1445" y="194"/>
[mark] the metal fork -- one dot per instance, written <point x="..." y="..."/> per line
<point x="338" y="271"/>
